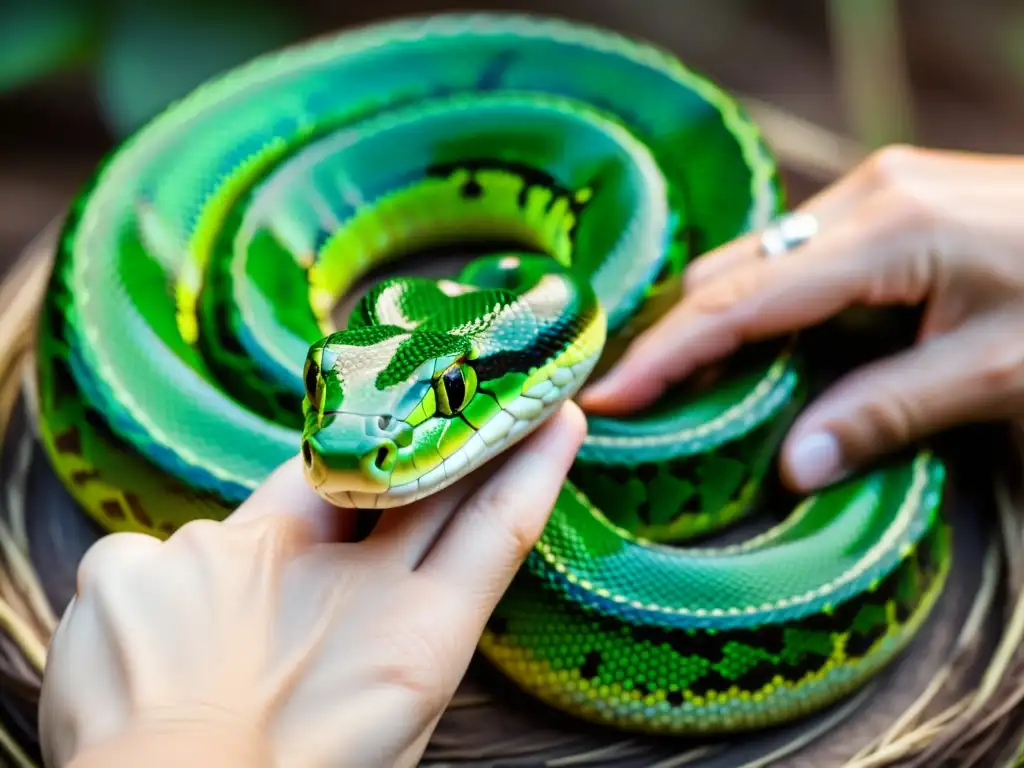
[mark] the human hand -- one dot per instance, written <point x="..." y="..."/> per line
<point x="268" y="640"/>
<point x="906" y="227"/>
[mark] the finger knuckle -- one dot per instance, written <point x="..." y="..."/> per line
<point x="195" y="530"/>
<point x="198" y="539"/>
<point x="1001" y="369"/>
<point x="888" y="419"/>
<point x="892" y="165"/>
<point x="906" y="280"/>
<point x="905" y="218"/>
<point x="916" y="211"/>
<point x="412" y="674"/>
<point x="899" y="176"/>
<point x="113" y="558"/>
<point x="727" y="291"/>
<point x="415" y="664"/>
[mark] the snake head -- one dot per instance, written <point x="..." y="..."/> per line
<point x="396" y="411"/>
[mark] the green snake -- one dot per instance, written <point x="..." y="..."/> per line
<point x="187" y="348"/>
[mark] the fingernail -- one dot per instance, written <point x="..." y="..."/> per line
<point x="817" y="459"/>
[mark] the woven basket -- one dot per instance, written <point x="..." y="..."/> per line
<point x="953" y="698"/>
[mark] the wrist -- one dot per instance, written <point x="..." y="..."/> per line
<point x="176" y="737"/>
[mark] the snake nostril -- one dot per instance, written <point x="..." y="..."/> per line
<point x="381" y="459"/>
<point x="307" y="453"/>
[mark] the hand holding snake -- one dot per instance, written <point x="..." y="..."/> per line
<point x="313" y="646"/>
<point x="212" y="357"/>
<point x="908" y="226"/>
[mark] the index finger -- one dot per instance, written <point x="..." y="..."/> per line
<point x="840" y="267"/>
<point x="494" y="530"/>
<point x="285" y="493"/>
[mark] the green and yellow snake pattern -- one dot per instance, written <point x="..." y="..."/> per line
<point x="187" y="348"/>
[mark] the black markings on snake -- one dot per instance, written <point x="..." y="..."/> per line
<point x="498" y="625"/>
<point x="591" y="665"/>
<point x="770" y="638"/>
<point x="112" y="508"/>
<point x="69" y="441"/>
<point x="234" y="368"/>
<point x="692" y="238"/>
<point x="64" y="386"/>
<point x="643" y="511"/>
<point x="472" y="189"/>
<point x="692" y="506"/>
<point x="82" y="476"/>
<point x="666" y="271"/>
<point x="286" y="402"/>
<point x="532" y="178"/>
<point x="135" y="505"/>
<point x="642" y="688"/>
<point x="647" y="472"/>
<point x="619" y="473"/>
<point x="103" y="431"/>
<point x="492" y="366"/>
<point x="684" y="469"/>
<point x="55" y="319"/>
<point x="925" y="558"/>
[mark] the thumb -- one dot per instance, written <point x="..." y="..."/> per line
<point x="975" y="373"/>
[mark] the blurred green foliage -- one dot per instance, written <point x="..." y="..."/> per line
<point x="140" y="54"/>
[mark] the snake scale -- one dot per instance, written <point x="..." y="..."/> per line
<point x="186" y="348"/>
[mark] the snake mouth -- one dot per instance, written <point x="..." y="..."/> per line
<point x="346" y="465"/>
<point x="514" y="423"/>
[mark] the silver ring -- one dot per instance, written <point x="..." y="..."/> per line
<point x="788" y="232"/>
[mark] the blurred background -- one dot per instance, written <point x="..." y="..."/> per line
<point x="827" y="80"/>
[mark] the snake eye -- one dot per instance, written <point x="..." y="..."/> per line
<point x="311" y="378"/>
<point x="454" y="389"/>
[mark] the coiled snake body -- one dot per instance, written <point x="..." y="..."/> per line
<point x="186" y="349"/>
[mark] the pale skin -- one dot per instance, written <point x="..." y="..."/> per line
<point x="273" y="640"/>
<point x="270" y="640"/>
<point x="907" y="227"/>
